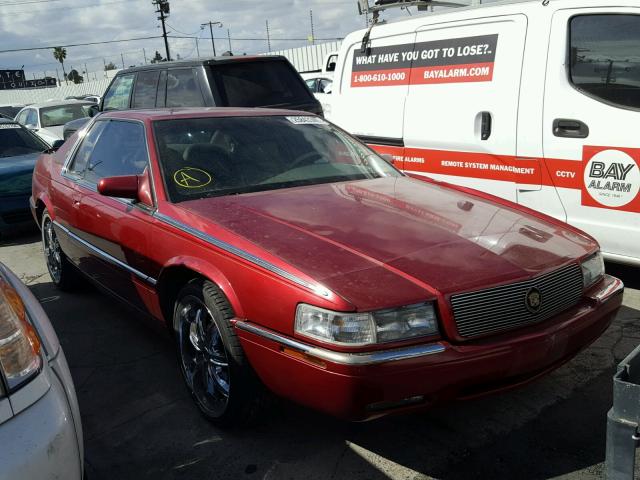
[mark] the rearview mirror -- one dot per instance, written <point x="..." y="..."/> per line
<point x="125" y="186"/>
<point x="57" y="144"/>
<point x="387" y="157"/>
<point x="94" y="110"/>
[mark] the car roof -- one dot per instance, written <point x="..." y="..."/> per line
<point x="59" y="103"/>
<point x="153" y="115"/>
<point x="205" y="61"/>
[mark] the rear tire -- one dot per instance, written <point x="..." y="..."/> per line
<point x="63" y="274"/>
<point x="214" y="367"/>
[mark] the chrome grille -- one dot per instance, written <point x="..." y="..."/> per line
<point x="504" y="308"/>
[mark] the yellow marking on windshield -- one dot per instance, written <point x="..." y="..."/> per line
<point x="191" y="177"/>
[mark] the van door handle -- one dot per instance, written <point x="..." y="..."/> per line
<point x="567" y="128"/>
<point x="485" y="129"/>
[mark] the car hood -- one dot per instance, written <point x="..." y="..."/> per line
<point x="394" y="240"/>
<point x="51" y="133"/>
<point x="15" y="174"/>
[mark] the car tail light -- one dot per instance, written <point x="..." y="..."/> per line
<point x="20" y="358"/>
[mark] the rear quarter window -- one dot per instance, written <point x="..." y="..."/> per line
<point x="183" y="89"/>
<point x="260" y="84"/>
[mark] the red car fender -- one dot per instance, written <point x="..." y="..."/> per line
<point x="208" y="271"/>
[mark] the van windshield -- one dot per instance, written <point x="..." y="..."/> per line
<point x="259" y="84"/>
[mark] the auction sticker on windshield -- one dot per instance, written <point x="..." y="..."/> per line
<point x="6" y="126"/>
<point x="307" y="120"/>
<point x="611" y="178"/>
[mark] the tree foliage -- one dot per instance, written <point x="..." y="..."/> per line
<point x="110" y="66"/>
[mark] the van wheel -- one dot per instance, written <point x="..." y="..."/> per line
<point x="213" y="364"/>
<point x="63" y="274"/>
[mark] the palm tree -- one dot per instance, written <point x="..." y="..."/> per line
<point x="60" y="54"/>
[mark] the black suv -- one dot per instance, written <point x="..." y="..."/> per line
<point x="256" y="81"/>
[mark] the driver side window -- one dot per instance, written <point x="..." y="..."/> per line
<point x="120" y="150"/>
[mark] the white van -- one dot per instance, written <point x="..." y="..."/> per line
<point x="537" y="102"/>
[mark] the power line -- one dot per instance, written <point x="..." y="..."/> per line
<point x="11" y="4"/>
<point x="183" y="33"/>
<point x="262" y="39"/>
<point x="82" y="44"/>
<point x="94" y="5"/>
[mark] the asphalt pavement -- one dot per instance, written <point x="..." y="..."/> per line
<point x="140" y="423"/>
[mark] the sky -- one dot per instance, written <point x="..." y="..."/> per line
<point x="48" y="23"/>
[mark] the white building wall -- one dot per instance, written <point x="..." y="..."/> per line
<point x="309" y="58"/>
<point x="38" y="95"/>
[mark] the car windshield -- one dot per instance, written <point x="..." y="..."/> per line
<point x="56" y="116"/>
<point x="208" y="157"/>
<point x="16" y="141"/>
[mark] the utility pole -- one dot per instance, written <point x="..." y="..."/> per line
<point x="229" y="38"/>
<point x="197" y="48"/>
<point x="313" y="37"/>
<point x="144" y="54"/>
<point x="58" y="77"/>
<point x="163" y="10"/>
<point x="122" y="57"/>
<point x="86" y="71"/>
<point x="268" y="37"/>
<point x="211" y="24"/>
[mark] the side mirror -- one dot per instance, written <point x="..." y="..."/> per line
<point x="133" y="187"/>
<point x="125" y="186"/>
<point x="57" y="144"/>
<point x="94" y="110"/>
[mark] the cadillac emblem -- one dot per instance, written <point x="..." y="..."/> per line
<point x="533" y="300"/>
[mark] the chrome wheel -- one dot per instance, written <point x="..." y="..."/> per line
<point x="52" y="251"/>
<point x="203" y="356"/>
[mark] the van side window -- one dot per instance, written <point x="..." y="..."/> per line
<point x="144" y="93"/>
<point x="117" y="98"/>
<point x="604" y="60"/>
<point x="183" y="89"/>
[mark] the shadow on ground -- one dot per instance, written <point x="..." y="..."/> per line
<point x="140" y="423"/>
<point x="20" y="237"/>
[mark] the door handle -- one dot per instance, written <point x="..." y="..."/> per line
<point x="567" y="128"/>
<point x="485" y="128"/>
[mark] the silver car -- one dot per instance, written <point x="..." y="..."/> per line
<point x="40" y="430"/>
<point x="47" y="119"/>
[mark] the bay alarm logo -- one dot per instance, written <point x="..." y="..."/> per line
<point x="611" y="178"/>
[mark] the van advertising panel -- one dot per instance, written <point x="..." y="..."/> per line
<point x="468" y="59"/>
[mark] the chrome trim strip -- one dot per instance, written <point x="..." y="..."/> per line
<point x="354" y="359"/>
<point x="109" y="258"/>
<point x="610" y="287"/>
<point x="227" y="247"/>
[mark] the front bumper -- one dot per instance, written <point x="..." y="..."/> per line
<point x="365" y="386"/>
<point x="15" y="213"/>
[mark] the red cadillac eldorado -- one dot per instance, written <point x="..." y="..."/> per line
<point x="284" y="253"/>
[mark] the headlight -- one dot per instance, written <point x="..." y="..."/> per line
<point x="592" y="269"/>
<point x="366" y="328"/>
<point x="19" y="343"/>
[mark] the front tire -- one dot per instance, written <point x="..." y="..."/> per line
<point x="213" y="364"/>
<point x="63" y="274"/>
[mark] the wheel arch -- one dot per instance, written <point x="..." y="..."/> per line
<point x="43" y="203"/>
<point x="181" y="270"/>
